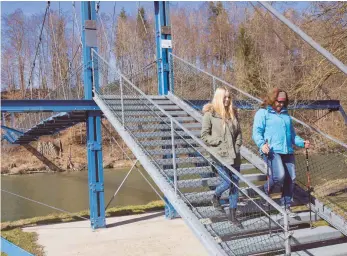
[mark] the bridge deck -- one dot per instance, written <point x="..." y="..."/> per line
<point x="145" y="234"/>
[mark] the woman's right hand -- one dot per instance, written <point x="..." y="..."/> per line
<point x="265" y="148"/>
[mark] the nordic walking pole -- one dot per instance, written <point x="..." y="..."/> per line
<point x="308" y="185"/>
<point x="268" y="185"/>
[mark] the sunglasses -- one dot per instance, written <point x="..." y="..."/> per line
<point x="280" y="102"/>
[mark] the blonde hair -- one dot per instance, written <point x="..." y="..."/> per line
<point x="218" y="104"/>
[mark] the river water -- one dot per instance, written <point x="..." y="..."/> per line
<point x="69" y="191"/>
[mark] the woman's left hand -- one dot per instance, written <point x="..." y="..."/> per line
<point x="307" y="144"/>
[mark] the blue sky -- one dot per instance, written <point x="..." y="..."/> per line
<point x="34" y="7"/>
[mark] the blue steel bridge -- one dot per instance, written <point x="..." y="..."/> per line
<point x="162" y="129"/>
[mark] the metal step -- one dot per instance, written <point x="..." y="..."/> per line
<point x="186" y="160"/>
<point x="157" y="119"/>
<point x="200" y="170"/>
<point x="199" y="198"/>
<point x="265" y="243"/>
<point x="195" y="183"/>
<point x="131" y="97"/>
<point x="205" y="170"/>
<point x="137" y="102"/>
<point x="209" y="212"/>
<point x="330" y="250"/>
<point x="156" y="143"/>
<point x="206" y="196"/>
<point x="146" y="112"/>
<point x="178" y="151"/>
<point x="156" y="127"/>
<point x="225" y="229"/>
<point x="137" y="107"/>
<point x="179" y="134"/>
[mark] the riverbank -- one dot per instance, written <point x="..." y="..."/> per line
<point x="62" y="152"/>
<point x="13" y="231"/>
<point x="35" y="168"/>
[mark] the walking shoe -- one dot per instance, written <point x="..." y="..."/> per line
<point x="265" y="203"/>
<point x="232" y="218"/>
<point x="290" y="213"/>
<point x="216" y="204"/>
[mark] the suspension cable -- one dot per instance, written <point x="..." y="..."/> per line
<point x="43" y="58"/>
<point x="37" y="49"/>
<point x="76" y="21"/>
<point x="126" y="154"/>
<point x="35" y="201"/>
<point x="143" y="22"/>
<point x="121" y="184"/>
<point x="102" y="26"/>
<point x="56" y="48"/>
<point x="270" y="25"/>
<point x="113" y="23"/>
<point x="139" y="71"/>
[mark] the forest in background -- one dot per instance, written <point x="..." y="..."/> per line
<point x="241" y="43"/>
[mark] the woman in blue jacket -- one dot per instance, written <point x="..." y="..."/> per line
<point x="274" y="134"/>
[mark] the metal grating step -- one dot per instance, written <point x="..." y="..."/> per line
<point x="136" y="107"/>
<point x="157" y="119"/>
<point x="145" y="112"/>
<point x="205" y="170"/>
<point x="200" y="170"/>
<point x="195" y="183"/>
<point x="178" y="151"/>
<point x="265" y="243"/>
<point x="225" y="229"/>
<point x="130" y="97"/>
<point x="155" y="143"/>
<point x="138" y="102"/>
<point x="186" y="160"/>
<point x="156" y="127"/>
<point x="200" y="198"/>
<point x="330" y="250"/>
<point x="178" y="134"/>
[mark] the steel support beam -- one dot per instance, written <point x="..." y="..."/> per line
<point x="164" y="48"/>
<point x="48" y="105"/>
<point x="9" y="129"/>
<point x="163" y="44"/>
<point x="9" y="248"/>
<point x="94" y="136"/>
<point x="332" y="105"/>
<point x="95" y="171"/>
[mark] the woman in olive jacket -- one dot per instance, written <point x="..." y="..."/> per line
<point x="221" y="132"/>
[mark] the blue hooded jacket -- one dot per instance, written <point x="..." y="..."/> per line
<point x="277" y="129"/>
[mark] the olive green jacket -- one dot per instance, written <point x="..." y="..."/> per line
<point x="225" y="140"/>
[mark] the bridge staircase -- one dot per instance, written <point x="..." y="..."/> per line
<point x="163" y="133"/>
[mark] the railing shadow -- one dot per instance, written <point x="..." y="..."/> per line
<point x="125" y="222"/>
<point x="42" y="158"/>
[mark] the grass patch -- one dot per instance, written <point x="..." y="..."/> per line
<point x="63" y="217"/>
<point x="12" y="231"/>
<point x="25" y="240"/>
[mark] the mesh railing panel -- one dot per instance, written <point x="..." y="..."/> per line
<point x="176" y="153"/>
<point x="71" y="89"/>
<point x="146" y="79"/>
<point x="327" y="156"/>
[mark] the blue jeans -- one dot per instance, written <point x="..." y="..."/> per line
<point x="226" y="184"/>
<point x="282" y="173"/>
